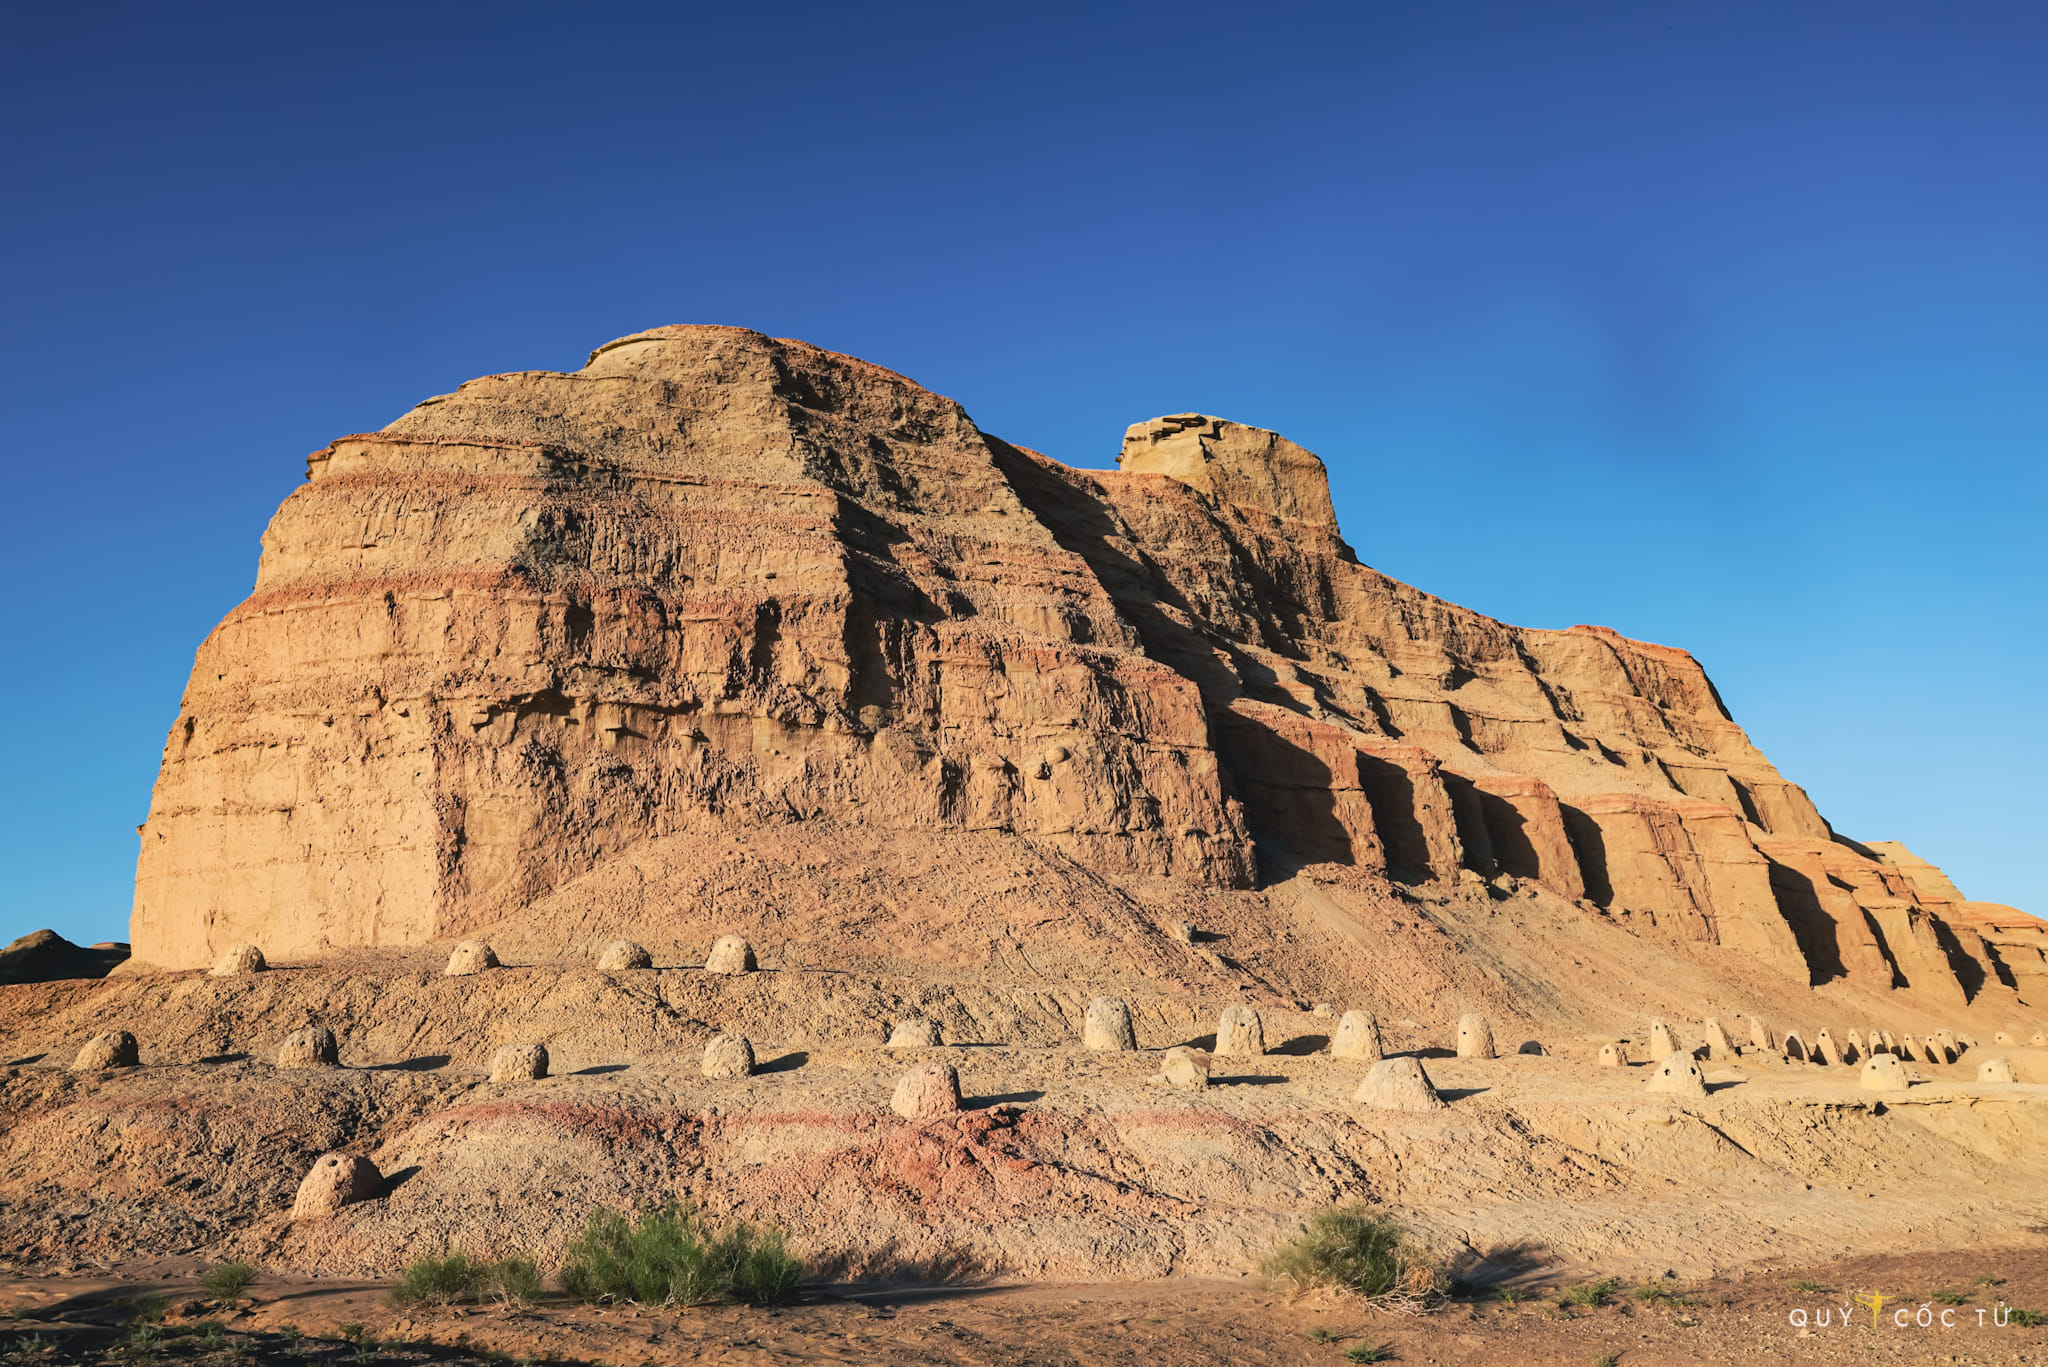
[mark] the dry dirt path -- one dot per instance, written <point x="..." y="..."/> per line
<point x="55" y="1322"/>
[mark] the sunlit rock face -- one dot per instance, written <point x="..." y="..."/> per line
<point x="554" y="641"/>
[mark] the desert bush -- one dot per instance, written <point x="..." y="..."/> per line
<point x="459" y="1279"/>
<point x="1591" y="1293"/>
<point x="227" y="1281"/>
<point x="1371" y="1256"/>
<point x="1658" y="1294"/>
<point x="1369" y="1352"/>
<point x="515" y="1280"/>
<point x="670" y="1256"/>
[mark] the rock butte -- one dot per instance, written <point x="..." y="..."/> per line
<point x="729" y="637"/>
<point x="541" y="644"/>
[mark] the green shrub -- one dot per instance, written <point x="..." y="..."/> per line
<point x="1658" y="1294"/>
<point x="1382" y="1352"/>
<point x="227" y="1281"/>
<point x="1591" y="1293"/>
<point x="515" y="1280"/>
<point x="1369" y="1255"/>
<point x="2027" y="1319"/>
<point x="141" y="1341"/>
<point x="440" y="1281"/>
<point x="1950" y="1297"/>
<point x="671" y="1257"/>
<point x="458" y="1279"/>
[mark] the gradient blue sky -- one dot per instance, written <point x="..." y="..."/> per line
<point x="1725" y="326"/>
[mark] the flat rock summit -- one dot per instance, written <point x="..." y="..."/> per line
<point x="559" y="651"/>
<point x="726" y="774"/>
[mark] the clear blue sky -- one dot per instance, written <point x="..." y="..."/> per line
<point x="1725" y="326"/>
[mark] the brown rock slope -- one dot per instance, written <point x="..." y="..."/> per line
<point x="565" y="651"/>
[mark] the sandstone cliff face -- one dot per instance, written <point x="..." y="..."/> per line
<point x="717" y="582"/>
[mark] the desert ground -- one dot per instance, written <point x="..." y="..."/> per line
<point x="1734" y="1320"/>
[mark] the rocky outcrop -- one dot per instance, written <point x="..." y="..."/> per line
<point x="505" y="650"/>
<point x="45" y="956"/>
<point x="334" y="1181"/>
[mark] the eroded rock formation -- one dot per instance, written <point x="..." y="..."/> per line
<point x="500" y="650"/>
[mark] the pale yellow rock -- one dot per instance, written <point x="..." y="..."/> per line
<point x="623" y="956"/>
<point x="312" y="1047"/>
<point x="930" y="1091"/>
<point x="2002" y="1038"/>
<point x="1108" y="1027"/>
<point x="1662" y="1042"/>
<point x="1678" y="1075"/>
<point x="1475" y="1037"/>
<point x="1856" y="1049"/>
<point x="2038" y="1040"/>
<point x="1240" y="1033"/>
<point x="728" y="1056"/>
<point x="471" y="956"/>
<point x="1883" y="1073"/>
<point x="1613" y="1056"/>
<point x="1719" y="1046"/>
<point x="732" y="955"/>
<point x="110" y="1049"/>
<point x="1247" y="466"/>
<point x="1795" y="1047"/>
<point x="1398" y="1084"/>
<point x="1760" y="1035"/>
<point x="1905" y="1048"/>
<point x="916" y="1033"/>
<point x="1996" y="1070"/>
<point x="1358" y="1036"/>
<point x="1891" y="1046"/>
<point x="1826" y="1050"/>
<point x="1931" y="1050"/>
<point x="336" y="1180"/>
<point x="238" y="960"/>
<point x="1184" y="1068"/>
<point x="519" y="1063"/>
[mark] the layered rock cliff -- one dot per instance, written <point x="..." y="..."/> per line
<point x="507" y="647"/>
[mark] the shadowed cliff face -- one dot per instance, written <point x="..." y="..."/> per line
<point x="716" y="582"/>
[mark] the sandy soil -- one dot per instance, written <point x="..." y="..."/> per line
<point x="1748" y="1320"/>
